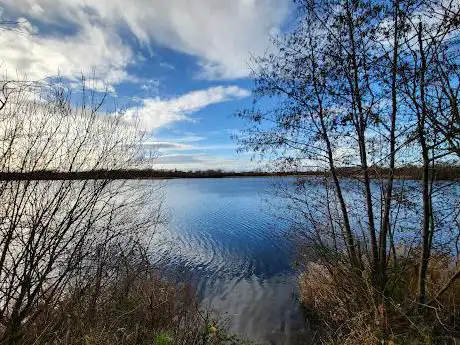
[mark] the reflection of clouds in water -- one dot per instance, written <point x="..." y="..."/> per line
<point x="224" y="235"/>
<point x="236" y="253"/>
<point x="261" y="309"/>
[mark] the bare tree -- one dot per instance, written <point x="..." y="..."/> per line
<point x="360" y="84"/>
<point x="429" y="86"/>
<point x="52" y="230"/>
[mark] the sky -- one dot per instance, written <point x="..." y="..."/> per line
<point x="181" y="67"/>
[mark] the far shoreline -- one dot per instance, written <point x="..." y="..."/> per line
<point x="442" y="172"/>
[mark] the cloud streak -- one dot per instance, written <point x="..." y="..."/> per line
<point x="203" y="162"/>
<point x="154" y="113"/>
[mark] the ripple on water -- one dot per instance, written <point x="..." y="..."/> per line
<point x="236" y="253"/>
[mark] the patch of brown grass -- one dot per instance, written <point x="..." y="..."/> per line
<point x="345" y="310"/>
<point x="124" y="312"/>
<point x="133" y="308"/>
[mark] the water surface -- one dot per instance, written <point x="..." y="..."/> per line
<point x="222" y="235"/>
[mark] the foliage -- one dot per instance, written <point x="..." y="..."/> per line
<point x="162" y="338"/>
<point x="133" y="304"/>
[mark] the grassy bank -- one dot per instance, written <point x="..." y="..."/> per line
<point x="341" y="303"/>
<point x="132" y="304"/>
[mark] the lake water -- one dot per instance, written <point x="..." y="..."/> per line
<point x="222" y="236"/>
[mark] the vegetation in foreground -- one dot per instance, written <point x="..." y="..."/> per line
<point x="340" y="303"/>
<point x="128" y="302"/>
<point x="365" y="84"/>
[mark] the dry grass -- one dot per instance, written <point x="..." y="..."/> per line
<point x="126" y="312"/>
<point x="135" y="307"/>
<point x="344" y="308"/>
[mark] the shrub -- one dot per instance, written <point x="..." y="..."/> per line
<point x="125" y="302"/>
<point x="344" y="309"/>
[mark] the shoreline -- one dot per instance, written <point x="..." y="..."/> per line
<point x="443" y="173"/>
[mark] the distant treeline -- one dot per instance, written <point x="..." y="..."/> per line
<point x="128" y="174"/>
<point x="441" y="172"/>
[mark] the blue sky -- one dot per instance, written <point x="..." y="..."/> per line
<point x="181" y="67"/>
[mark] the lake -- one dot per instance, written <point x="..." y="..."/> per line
<point x="222" y="236"/>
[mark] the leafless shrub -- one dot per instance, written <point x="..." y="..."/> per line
<point x="51" y="231"/>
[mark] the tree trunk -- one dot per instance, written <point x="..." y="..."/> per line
<point x="361" y="127"/>
<point x="426" y="195"/>
<point x="385" y="229"/>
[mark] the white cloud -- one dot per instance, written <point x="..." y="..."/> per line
<point x="204" y="161"/>
<point x="151" y="86"/>
<point x="183" y="154"/>
<point x="190" y="138"/>
<point x="92" y="51"/>
<point x="221" y="33"/>
<point x="167" y="145"/>
<point x="167" y="66"/>
<point x="157" y="112"/>
<point x="179" y="147"/>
